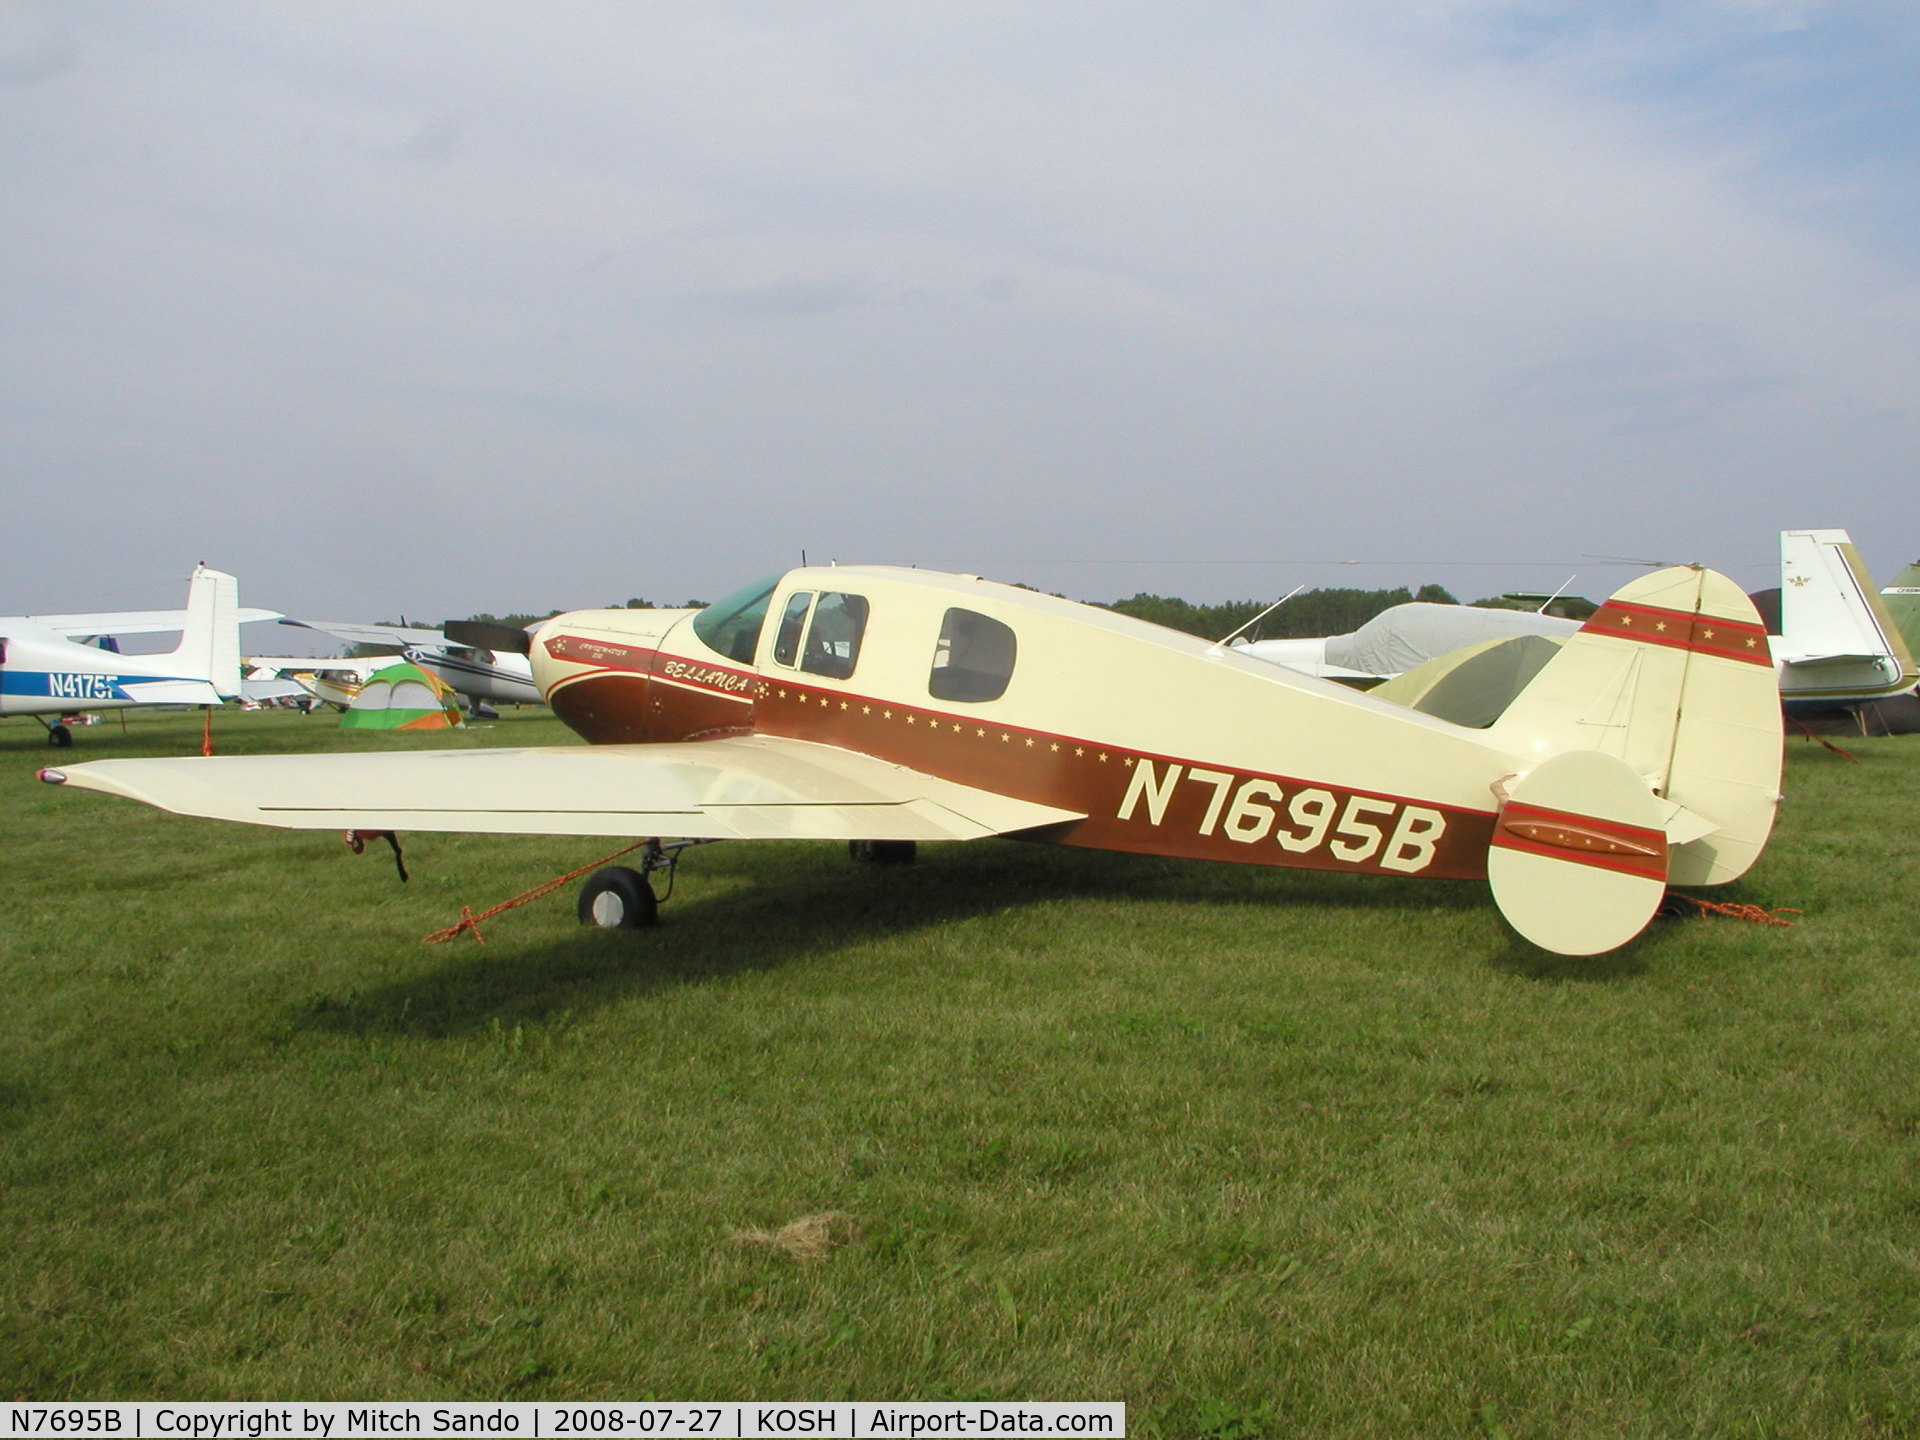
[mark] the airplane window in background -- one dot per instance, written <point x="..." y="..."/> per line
<point x="786" y="640"/>
<point x="731" y="626"/>
<point x="973" y="659"/>
<point x="833" y="641"/>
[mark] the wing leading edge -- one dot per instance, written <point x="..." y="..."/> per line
<point x="736" y="788"/>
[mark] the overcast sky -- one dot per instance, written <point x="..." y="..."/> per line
<point x="441" y="308"/>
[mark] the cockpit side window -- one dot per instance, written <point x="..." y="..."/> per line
<point x="973" y="658"/>
<point x="833" y="640"/>
<point x="793" y="623"/>
<point x="731" y="626"/>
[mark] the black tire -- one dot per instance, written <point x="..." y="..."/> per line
<point x="882" y="852"/>
<point x="617" y="898"/>
<point x="59" y="736"/>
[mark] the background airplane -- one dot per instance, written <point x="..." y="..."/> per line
<point x="873" y="704"/>
<point x="46" y="672"/>
<point x="484" y="676"/>
<point x="1835" y="645"/>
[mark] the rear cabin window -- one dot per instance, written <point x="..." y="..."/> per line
<point x="833" y="639"/>
<point x="731" y="626"/>
<point x="973" y="659"/>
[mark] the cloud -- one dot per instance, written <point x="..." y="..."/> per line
<point x="640" y="299"/>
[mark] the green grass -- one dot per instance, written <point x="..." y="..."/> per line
<point x="1260" y="1153"/>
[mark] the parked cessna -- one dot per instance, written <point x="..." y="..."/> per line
<point x="485" y="676"/>
<point x="879" y="706"/>
<point x="47" y="672"/>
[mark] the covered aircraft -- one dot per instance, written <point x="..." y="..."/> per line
<point x="1834" y="643"/>
<point x="47" y="672"/>
<point x="884" y="706"/>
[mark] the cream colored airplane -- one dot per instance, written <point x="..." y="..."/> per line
<point x="879" y="706"/>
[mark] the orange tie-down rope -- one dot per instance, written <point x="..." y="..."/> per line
<point x="471" y="922"/>
<point x="1755" y="913"/>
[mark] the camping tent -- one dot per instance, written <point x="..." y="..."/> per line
<point x="402" y="697"/>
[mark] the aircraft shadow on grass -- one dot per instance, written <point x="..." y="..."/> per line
<point x="782" y="916"/>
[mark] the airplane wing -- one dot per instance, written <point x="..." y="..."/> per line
<point x="734" y="788"/>
<point x="398" y="636"/>
<point x="132" y="622"/>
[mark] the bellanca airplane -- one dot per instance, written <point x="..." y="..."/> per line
<point x="47" y="671"/>
<point x="878" y="705"/>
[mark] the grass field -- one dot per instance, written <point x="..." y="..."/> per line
<point x="1260" y="1153"/>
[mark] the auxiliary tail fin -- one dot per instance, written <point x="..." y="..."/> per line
<point x="1838" y="640"/>
<point x="209" y="647"/>
<point x="1671" y="682"/>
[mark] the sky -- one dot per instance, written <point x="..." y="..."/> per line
<point x="431" y="309"/>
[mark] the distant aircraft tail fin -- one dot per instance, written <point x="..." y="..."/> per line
<point x="1838" y="639"/>
<point x="1902" y="599"/>
<point x="1671" y="679"/>
<point x="209" y="647"/>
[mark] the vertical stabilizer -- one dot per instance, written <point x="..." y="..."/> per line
<point x="1672" y="677"/>
<point x="1902" y="599"/>
<point x="209" y="647"/>
<point x="1838" y="641"/>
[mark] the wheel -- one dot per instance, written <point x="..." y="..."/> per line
<point x="882" y="852"/>
<point x="59" y="736"/>
<point x="617" y="898"/>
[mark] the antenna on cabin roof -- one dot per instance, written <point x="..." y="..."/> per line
<point x="1222" y="643"/>
<point x="803" y="557"/>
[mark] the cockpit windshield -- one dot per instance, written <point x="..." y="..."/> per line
<point x="731" y="626"/>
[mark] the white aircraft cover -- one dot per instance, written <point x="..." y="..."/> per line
<point x="1410" y="635"/>
<point x="735" y="788"/>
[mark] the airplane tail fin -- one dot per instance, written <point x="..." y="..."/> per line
<point x="1837" y="636"/>
<point x="1902" y="599"/>
<point x="209" y="647"/>
<point x="1656" y="737"/>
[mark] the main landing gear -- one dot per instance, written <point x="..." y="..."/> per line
<point x="58" y="735"/>
<point x="619" y="897"/>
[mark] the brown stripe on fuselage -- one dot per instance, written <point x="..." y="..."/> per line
<point x="1177" y="807"/>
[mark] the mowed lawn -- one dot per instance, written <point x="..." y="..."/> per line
<point x="1261" y="1153"/>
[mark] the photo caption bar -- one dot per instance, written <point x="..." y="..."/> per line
<point x="545" y="1420"/>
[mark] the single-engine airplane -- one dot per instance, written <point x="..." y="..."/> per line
<point x="486" y="677"/>
<point x="879" y="706"/>
<point x="45" y="670"/>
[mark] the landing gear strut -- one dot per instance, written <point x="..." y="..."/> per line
<point x="618" y="897"/>
<point x="58" y="736"/>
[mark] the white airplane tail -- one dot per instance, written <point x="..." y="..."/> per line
<point x="1656" y="740"/>
<point x="1837" y="639"/>
<point x="209" y="647"/>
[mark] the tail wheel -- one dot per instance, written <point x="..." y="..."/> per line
<point x="882" y="852"/>
<point x="618" y="898"/>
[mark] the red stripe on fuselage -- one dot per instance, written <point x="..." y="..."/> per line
<point x="1204" y="812"/>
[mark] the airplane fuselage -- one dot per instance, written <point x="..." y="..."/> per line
<point x="42" y="673"/>
<point x="1167" y="745"/>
